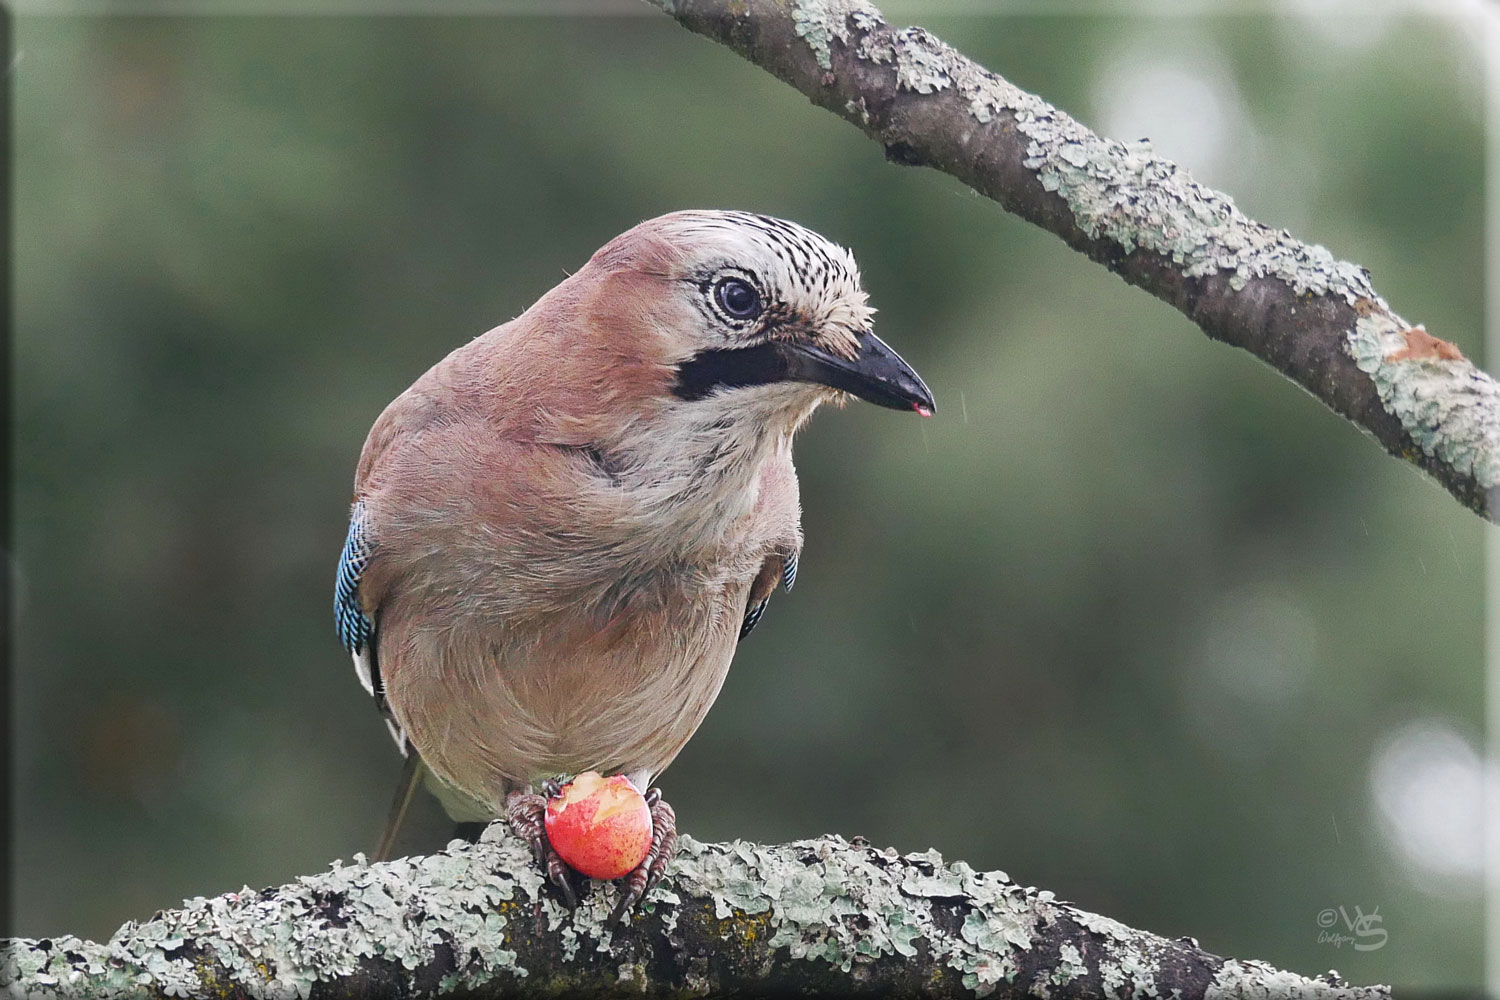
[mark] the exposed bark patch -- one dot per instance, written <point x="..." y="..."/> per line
<point x="1423" y="346"/>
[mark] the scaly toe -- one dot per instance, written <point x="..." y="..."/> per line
<point x="526" y="813"/>
<point x="649" y="871"/>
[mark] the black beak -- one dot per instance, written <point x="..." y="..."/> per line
<point x="876" y="374"/>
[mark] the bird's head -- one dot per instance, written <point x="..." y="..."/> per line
<point x="748" y="314"/>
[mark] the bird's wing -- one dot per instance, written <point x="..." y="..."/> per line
<point x="780" y="566"/>
<point x="356" y="627"/>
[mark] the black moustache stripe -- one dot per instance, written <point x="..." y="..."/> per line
<point x="731" y="368"/>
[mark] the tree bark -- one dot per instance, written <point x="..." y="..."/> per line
<point x="818" y="916"/>
<point x="1314" y="318"/>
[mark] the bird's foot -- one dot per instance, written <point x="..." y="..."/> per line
<point x="663" y="846"/>
<point x="526" y="812"/>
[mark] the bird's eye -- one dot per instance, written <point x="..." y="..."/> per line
<point x="738" y="298"/>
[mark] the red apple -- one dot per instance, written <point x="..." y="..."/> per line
<point x="600" y="826"/>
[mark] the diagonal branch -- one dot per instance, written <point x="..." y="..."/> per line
<point x="815" y="916"/>
<point x="1312" y="317"/>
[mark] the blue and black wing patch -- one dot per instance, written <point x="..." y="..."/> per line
<point x="752" y="617"/>
<point x="756" y="609"/>
<point x="356" y="629"/>
<point x="354" y="626"/>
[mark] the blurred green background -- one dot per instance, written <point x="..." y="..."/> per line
<point x="1132" y="619"/>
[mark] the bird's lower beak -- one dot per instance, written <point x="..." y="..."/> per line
<point x="876" y="374"/>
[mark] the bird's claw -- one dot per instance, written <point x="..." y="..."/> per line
<point x="526" y="813"/>
<point x="646" y="874"/>
<point x="560" y="875"/>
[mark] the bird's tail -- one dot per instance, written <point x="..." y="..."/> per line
<point x="406" y="790"/>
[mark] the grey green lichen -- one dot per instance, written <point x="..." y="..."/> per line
<point x="278" y="943"/>
<point x="1449" y="408"/>
<point x="821" y="22"/>
<point x="1123" y="191"/>
<point x="1251" y="980"/>
<point x="1069" y="966"/>
<point x="822" y="901"/>
<point x="829" y="901"/>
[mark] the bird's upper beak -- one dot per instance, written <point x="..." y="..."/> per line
<point x="876" y="374"/>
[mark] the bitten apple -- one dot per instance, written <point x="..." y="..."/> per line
<point x="600" y="826"/>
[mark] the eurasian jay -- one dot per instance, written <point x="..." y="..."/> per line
<point x="563" y="529"/>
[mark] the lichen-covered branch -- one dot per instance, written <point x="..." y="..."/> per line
<point x="1314" y="318"/>
<point x="812" y="916"/>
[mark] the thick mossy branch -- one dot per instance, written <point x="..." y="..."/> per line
<point x="1314" y="318"/>
<point x="816" y="916"/>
